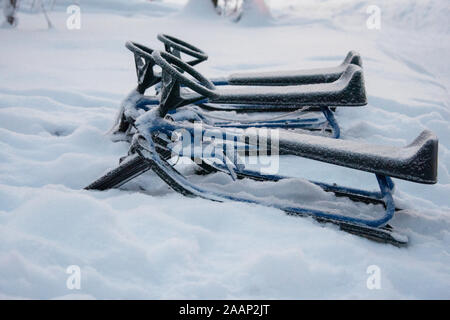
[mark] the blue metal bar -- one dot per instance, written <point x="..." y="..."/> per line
<point x="279" y="122"/>
<point x="385" y="184"/>
<point x="220" y="82"/>
<point x="332" y="121"/>
<point x="146" y="101"/>
<point x="331" y="187"/>
<point x="306" y="123"/>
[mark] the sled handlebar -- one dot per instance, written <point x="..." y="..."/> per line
<point x="178" y="69"/>
<point x="175" y="46"/>
<point x="144" y="63"/>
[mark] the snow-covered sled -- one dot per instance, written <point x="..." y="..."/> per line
<point x="248" y="93"/>
<point x="176" y="46"/>
<point x="152" y="147"/>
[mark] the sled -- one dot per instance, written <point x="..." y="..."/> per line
<point x="151" y="148"/>
<point x="266" y="100"/>
<point x="279" y="78"/>
<point x="416" y="162"/>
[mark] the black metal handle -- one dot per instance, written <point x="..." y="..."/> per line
<point x="175" y="46"/>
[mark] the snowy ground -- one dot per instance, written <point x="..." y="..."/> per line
<point x="60" y="91"/>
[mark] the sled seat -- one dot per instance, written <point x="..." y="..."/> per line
<point x="415" y="162"/>
<point x="294" y="77"/>
<point x="348" y="90"/>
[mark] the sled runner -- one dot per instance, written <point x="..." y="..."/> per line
<point x="151" y="148"/>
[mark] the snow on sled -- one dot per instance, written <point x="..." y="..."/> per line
<point x="279" y="78"/>
<point x="152" y="147"/>
<point x="176" y="47"/>
<point x="279" y="102"/>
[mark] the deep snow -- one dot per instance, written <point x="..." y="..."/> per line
<point x="60" y="91"/>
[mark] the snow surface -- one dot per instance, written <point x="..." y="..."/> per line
<point x="60" y="91"/>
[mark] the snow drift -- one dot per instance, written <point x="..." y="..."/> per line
<point x="60" y="91"/>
